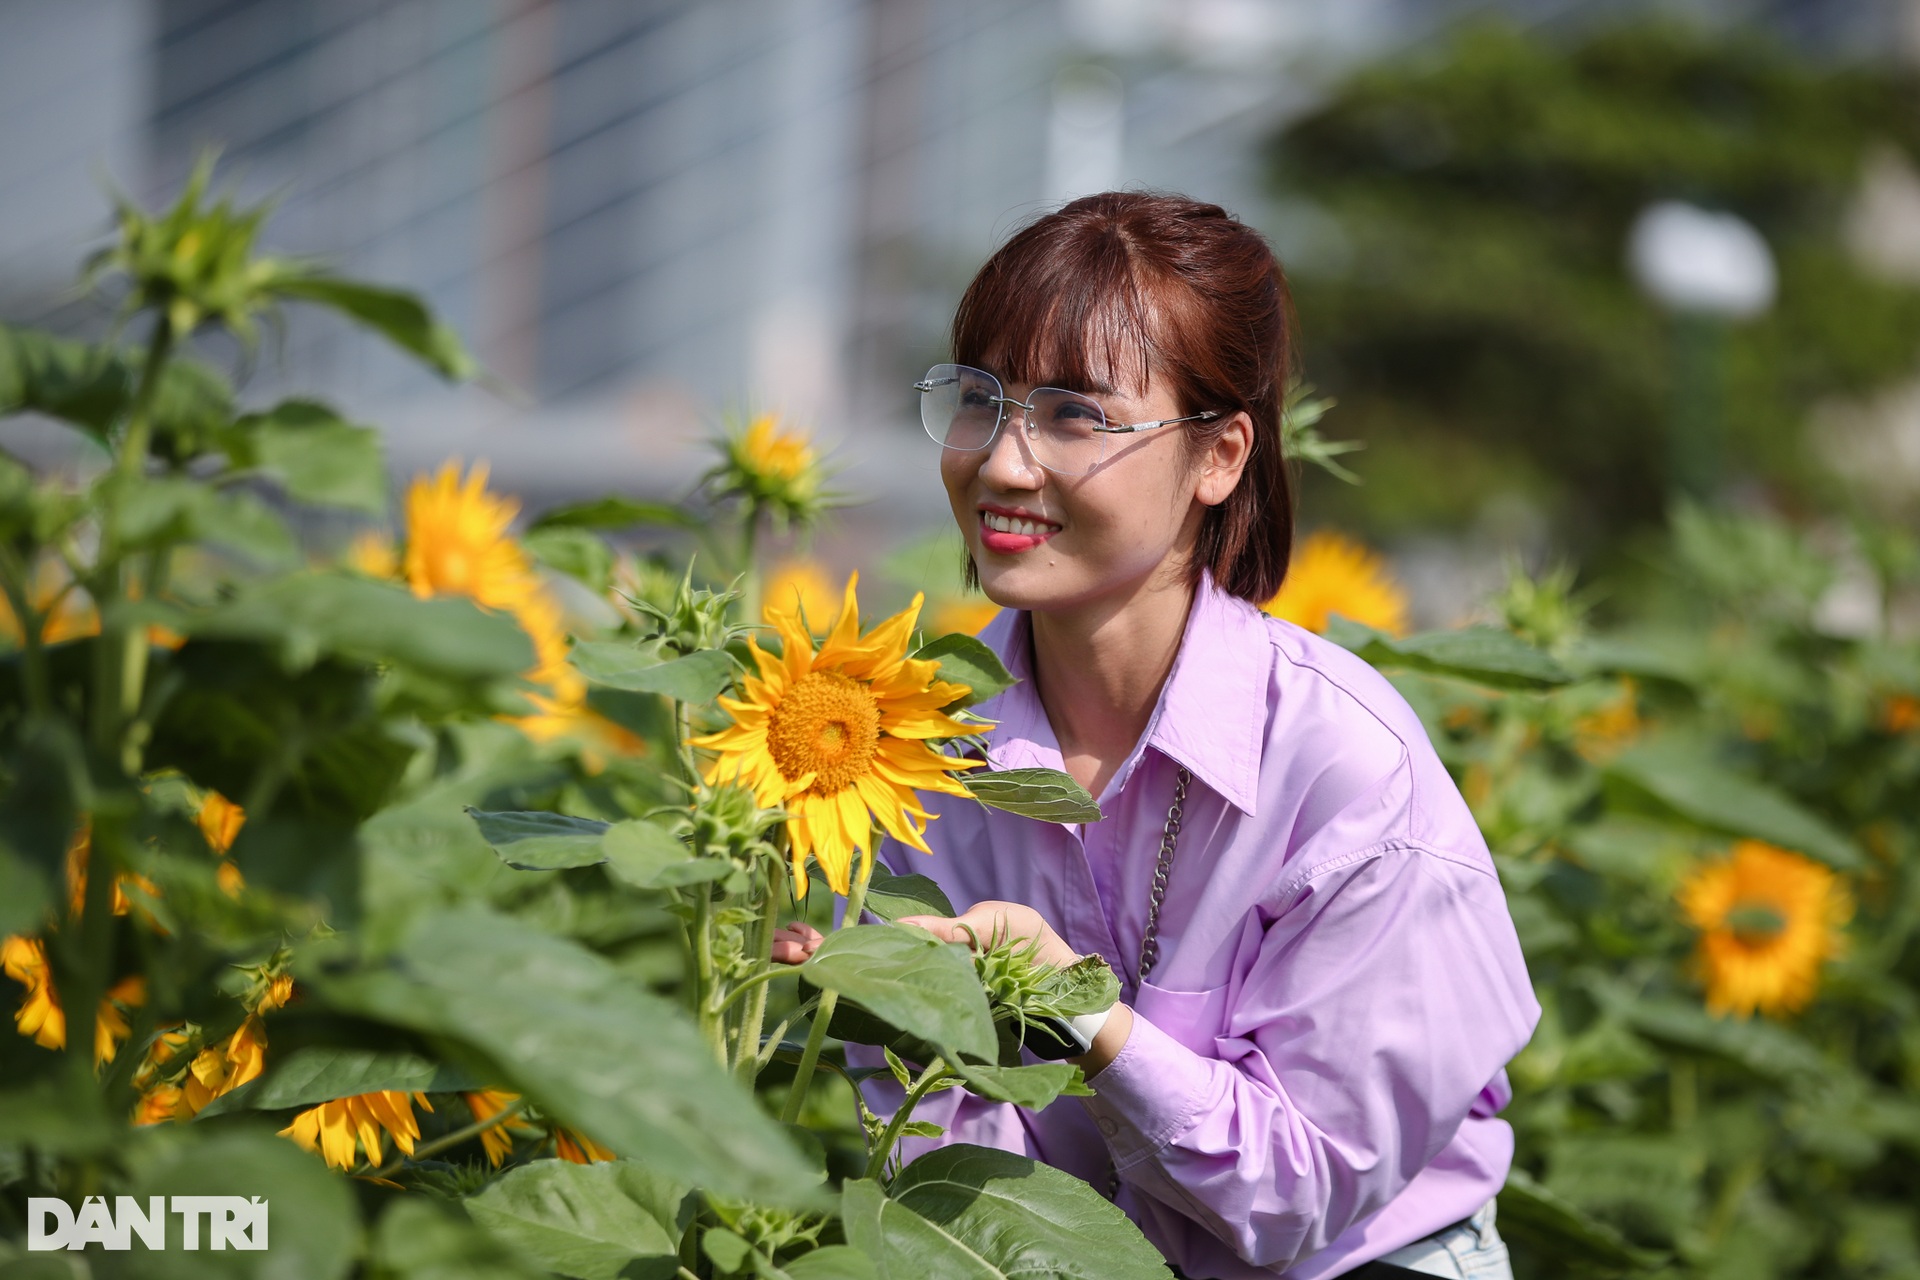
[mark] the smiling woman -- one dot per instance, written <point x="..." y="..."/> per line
<point x="1320" y="982"/>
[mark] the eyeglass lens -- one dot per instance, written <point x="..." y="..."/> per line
<point x="960" y="408"/>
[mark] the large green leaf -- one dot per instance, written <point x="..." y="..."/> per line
<point x="1033" y="1086"/>
<point x="418" y="1238"/>
<point x="835" y="1262"/>
<point x="313" y="1230"/>
<point x="917" y="983"/>
<point x="25" y="894"/>
<point x="613" y="1221"/>
<point x="315" y="455"/>
<point x="578" y="553"/>
<point x="321" y="1073"/>
<point x="648" y="856"/>
<point x="615" y="512"/>
<point x="1764" y="1048"/>
<point x="1046" y="794"/>
<point x="91" y="388"/>
<point x="966" y="661"/>
<point x="565" y="1027"/>
<point x="697" y="678"/>
<point x="398" y="316"/>
<point x="1486" y="654"/>
<point x="890" y="896"/>
<point x="1022" y="1217"/>
<point x="536" y="841"/>
<point x="309" y="614"/>
<point x="1688" y="780"/>
<point x="901" y="1244"/>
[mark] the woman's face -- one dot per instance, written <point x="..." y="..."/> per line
<point x="1044" y="541"/>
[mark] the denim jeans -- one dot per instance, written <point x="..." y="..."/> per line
<point x="1471" y="1250"/>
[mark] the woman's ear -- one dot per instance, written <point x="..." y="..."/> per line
<point x="1224" y="460"/>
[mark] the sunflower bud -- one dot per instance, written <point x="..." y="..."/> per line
<point x="690" y="620"/>
<point x="771" y="470"/>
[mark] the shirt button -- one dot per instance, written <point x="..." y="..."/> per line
<point x="1108" y="1127"/>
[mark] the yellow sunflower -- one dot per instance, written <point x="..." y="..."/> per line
<point x="457" y="542"/>
<point x="40" y="1016"/>
<point x="336" y="1129"/>
<point x="1331" y="573"/>
<point x="374" y="554"/>
<point x="968" y="616"/>
<point x="579" y="1148"/>
<point x="485" y="1104"/>
<point x="801" y="586"/>
<point x="780" y="457"/>
<point x="1768" y="920"/>
<point x="837" y="735"/>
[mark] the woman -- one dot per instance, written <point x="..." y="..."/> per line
<point x="1321" y="983"/>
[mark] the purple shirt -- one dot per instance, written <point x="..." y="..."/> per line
<point x="1315" y="1068"/>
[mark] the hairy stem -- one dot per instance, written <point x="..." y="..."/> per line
<point x="883" y="1150"/>
<point x="747" y="1047"/>
<point x="817" y="1033"/>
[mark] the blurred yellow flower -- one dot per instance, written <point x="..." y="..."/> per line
<point x="66" y="612"/>
<point x="967" y="615"/>
<point x="1602" y="733"/>
<point x="774" y="471"/>
<point x="336" y="1129"/>
<point x="1331" y="573"/>
<point x="79" y="854"/>
<point x="840" y="734"/>
<point x="220" y="820"/>
<point x="373" y="553"/>
<point x="1900" y="713"/>
<point x="40" y="1015"/>
<point x="1768" y="920"/>
<point x="801" y="586"/>
<point x="775" y="455"/>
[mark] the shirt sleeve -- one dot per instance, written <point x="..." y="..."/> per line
<point x="1386" y="993"/>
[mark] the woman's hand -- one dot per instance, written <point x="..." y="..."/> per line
<point x="990" y="923"/>
<point x="795" y="943"/>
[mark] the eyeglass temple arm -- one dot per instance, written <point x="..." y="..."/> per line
<point x="1206" y="416"/>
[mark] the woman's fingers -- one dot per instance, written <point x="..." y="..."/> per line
<point x="795" y="943"/>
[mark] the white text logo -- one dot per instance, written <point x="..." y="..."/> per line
<point x="233" y="1222"/>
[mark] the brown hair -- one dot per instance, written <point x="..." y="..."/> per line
<point x="1158" y="284"/>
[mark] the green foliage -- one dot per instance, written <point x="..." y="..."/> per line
<point x="1466" y="295"/>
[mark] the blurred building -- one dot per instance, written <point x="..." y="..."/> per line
<point x="643" y="213"/>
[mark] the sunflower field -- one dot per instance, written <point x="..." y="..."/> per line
<point x="434" y="909"/>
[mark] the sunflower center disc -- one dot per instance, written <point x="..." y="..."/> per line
<point x="1755" y="923"/>
<point x="827" y="725"/>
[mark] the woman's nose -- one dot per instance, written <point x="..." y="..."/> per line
<point x="1010" y="463"/>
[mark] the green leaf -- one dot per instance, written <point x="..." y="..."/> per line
<point x="965" y="660"/>
<point x="535" y="841"/>
<point x="1033" y="1086"/>
<point x="56" y="1115"/>
<point x="578" y="553"/>
<point x="169" y="509"/>
<point x="1088" y="985"/>
<point x="901" y="1244"/>
<point x="612" y="1221"/>
<point x="92" y="387"/>
<point x="1540" y="1221"/>
<point x="315" y="455"/>
<point x="24" y="894"/>
<point x="648" y="856"/>
<point x="1486" y="654"/>
<point x="1766" y="1049"/>
<point x="420" y="1239"/>
<point x="1689" y="781"/>
<point x="890" y="896"/>
<point x="309" y="614"/>
<point x="834" y="1262"/>
<point x="727" y="1251"/>
<point x="321" y="1073"/>
<point x="697" y="678"/>
<point x="398" y="316"/>
<point x="1046" y="794"/>
<point x="904" y="975"/>
<point x="1025" y="1218"/>
<point x="313" y="1230"/>
<point x="579" y="1037"/>
<point x="613" y="512"/>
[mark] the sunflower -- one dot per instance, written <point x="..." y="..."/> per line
<point x="373" y="554"/>
<point x="578" y="1148"/>
<point x="485" y="1104"/>
<point x="837" y="735"/>
<point x="1603" y="732"/>
<point x="773" y="470"/>
<point x="1900" y="713"/>
<point x="336" y="1129"/>
<point x="1331" y="573"/>
<point x="801" y="586"/>
<point x="40" y="1015"/>
<point x="1768" y="920"/>
<point x="969" y="616"/>
<point x="457" y="543"/>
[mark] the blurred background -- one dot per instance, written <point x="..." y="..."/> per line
<point x="1556" y="262"/>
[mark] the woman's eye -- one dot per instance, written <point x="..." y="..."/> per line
<point x="1079" y="412"/>
<point x="976" y="398"/>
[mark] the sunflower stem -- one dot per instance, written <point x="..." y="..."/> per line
<point x="817" y="1033"/>
<point x="712" y="1024"/>
<point x="883" y="1150"/>
<point x="754" y="1016"/>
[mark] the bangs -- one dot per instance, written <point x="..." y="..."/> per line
<point x="1069" y="311"/>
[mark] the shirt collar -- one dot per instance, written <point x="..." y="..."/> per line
<point x="1211" y="715"/>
